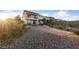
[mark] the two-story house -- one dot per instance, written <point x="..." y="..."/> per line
<point x="32" y="18"/>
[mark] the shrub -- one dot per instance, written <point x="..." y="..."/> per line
<point x="68" y="29"/>
<point x="58" y="26"/>
<point x="76" y="31"/>
<point x="11" y="28"/>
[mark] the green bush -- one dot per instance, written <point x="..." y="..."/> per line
<point x="58" y="26"/>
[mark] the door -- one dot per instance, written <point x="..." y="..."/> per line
<point x="34" y="21"/>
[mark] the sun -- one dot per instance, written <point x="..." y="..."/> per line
<point x="4" y="16"/>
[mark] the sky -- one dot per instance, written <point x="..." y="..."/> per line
<point x="69" y="15"/>
<point x="9" y="13"/>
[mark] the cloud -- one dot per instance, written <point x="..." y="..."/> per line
<point x="73" y="18"/>
<point x="64" y="15"/>
<point x="45" y="14"/>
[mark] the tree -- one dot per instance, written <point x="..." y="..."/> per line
<point x="44" y="21"/>
<point x="18" y="18"/>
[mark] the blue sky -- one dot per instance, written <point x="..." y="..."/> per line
<point x="50" y="12"/>
<point x="68" y="15"/>
<point x="60" y="14"/>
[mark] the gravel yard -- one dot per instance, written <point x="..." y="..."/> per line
<point x="44" y="37"/>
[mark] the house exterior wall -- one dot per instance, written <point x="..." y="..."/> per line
<point x="29" y="17"/>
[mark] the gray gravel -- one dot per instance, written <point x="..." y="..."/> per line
<point x="42" y="37"/>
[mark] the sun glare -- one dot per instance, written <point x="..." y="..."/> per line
<point x="4" y="16"/>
